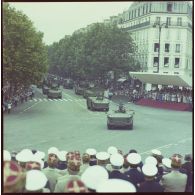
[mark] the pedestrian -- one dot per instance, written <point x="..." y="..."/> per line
<point x="51" y="172"/>
<point x="93" y="176"/>
<point x="9" y="106"/>
<point x="36" y="182"/>
<point x="135" y="176"/>
<point x="73" y="169"/>
<point x="150" y="184"/>
<point x="175" y="181"/>
<point x="92" y="153"/>
<point x="14" y="177"/>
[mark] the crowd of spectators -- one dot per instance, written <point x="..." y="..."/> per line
<point x="170" y="95"/>
<point x="92" y="171"/>
<point x="165" y="94"/>
<point x="19" y="97"/>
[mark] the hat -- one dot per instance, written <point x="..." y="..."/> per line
<point x="53" y="150"/>
<point x="115" y="185"/>
<point x="149" y="170"/>
<point x="102" y="156"/>
<point x="6" y="155"/>
<point x="91" y="151"/>
<point x="35" y="180"/>
<point x="134" y="158"/>
<point x="116" y="160"/>
<point x="176" y="161"/>
<point x="166" y="162"/>
<point x="75" y="186"/>
<point x="13" y="178"/>
<point x="40" y="154"/>
<point x="151" y="160"/>
<point x="74" y="165"/>
<point x="112" y="150"/>
<point x="62" y="155"/>
<point x="156" y="152"/>
<point x="93" y="175"/>
<point x="24" y="156"/>
<point x="35" y="163"/>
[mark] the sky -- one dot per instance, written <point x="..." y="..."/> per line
<point x="57" y="19"/>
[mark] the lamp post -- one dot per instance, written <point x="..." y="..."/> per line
<point x="160" y="27"/>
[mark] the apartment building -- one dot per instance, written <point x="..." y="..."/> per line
<point x="162" y="32"/>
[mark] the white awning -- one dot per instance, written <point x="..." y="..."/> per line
<point x="162" y="79"/>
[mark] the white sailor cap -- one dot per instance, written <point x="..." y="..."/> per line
<point x="156" y="152"/>
<point x="53" y="150"/>
<point x="6" y="155"/>
<point x="116" y="160"/>
<point x="166" y="162"/>
<point x="149" y="170"/>
<point x="102" y="156"/>
<point x="37" y="159"/>
<point x="93" y="175"/>
<point x="62" y="155"/>
<point x="112" y="150"/>
<point x="91" y="151"/>
<point x="35" y="180"/>
<point x="151" y="160"/>
<point x="115" y="185"/>
<point x="24" y="156"/>
<point x="40" y="154"/>
<point x="134" y="158"/>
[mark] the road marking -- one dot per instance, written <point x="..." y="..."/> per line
<point x="165" y="146"/>
<point x="29" y="107"/>
<point x="70" y="100"/>
<point x="65" y="100"/>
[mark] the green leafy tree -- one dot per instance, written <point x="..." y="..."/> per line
<point x="24" y="54"/>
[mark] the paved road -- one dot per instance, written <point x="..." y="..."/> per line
<point x="68" y="125"/>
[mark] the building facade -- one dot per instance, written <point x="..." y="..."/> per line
<point x="162" y="32"/>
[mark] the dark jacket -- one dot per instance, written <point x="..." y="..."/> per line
<point x="134" y="176"/>
<point x="150" y="186"/>
<point x="118" y="175"/>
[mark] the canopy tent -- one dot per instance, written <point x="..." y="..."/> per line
<point x="162" y="79"/>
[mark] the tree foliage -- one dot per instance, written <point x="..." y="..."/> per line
<point x="91" y="54"/>
<point x="24" y="54"/>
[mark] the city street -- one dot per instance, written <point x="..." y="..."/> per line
<point x="67" y="124"/>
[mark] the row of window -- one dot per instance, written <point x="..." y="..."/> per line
<point x="167" y="47"/>
<point x="137" y="12"/>
<point x="168" y="21"/>
<point x="166" y="62"/>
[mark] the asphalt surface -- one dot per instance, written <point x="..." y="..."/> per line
<point x="68" y="125"/>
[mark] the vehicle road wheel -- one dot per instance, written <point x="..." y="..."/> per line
<point x="131" y="126"/>
<point x="109" y="126"/>
<point x="107" y="109"/>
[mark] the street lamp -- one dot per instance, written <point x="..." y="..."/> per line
<point x="160" y="27"/>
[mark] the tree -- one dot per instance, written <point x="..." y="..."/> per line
<point x="92" y="53"/>
<point x="24" y="54"/>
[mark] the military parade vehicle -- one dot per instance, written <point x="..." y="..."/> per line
<point x="45" y="89"/>
<point x="68" y="84"/>
<point x="121" y="117"/>
<point x="98" y="103"/>
<point x="80" y="87"/>
<point x="54" y="92"/>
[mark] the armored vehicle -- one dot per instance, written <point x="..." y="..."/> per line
<point x="54" y="92"/>
<point x="121" y="117"/>
<point x="80" y="87"/>
<point x="45" y="89"/>
<point x="98" y="103"/>
<point x="68" y="84"/>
